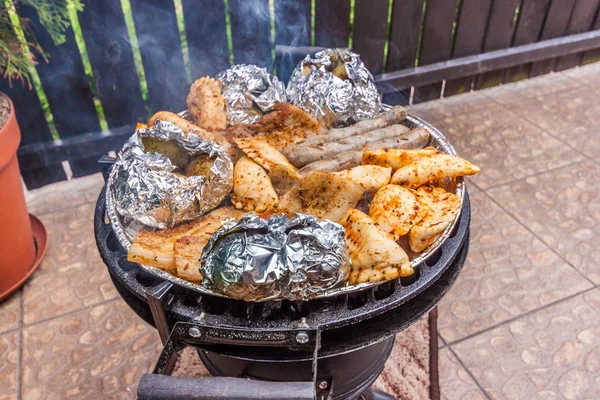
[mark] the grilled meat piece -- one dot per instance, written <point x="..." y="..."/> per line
<point x="252" y="187"/>
<point x="436" y="167"/>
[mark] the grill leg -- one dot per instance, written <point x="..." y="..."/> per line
<point x="374" y="394"/>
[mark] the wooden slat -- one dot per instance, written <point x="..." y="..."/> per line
<point x="436" y="42"/>
<point x="28" y="109"/>
<point x="37" y="178"/>
<point x="63" y="79"/>
<point x="292" y="30"/>
<point x="593" y="55"/>
<point x="370" y="32"/>
<point x="529" y="29"/>
<point x="332" y="23"/>
<point x="489" y="61"/>
<point x="555" y="26"/>
<point x="207" y="57"/>
<point x="470" y="34"/>
<point x="403" y="44"/>
<point x="251" y="32"/>
<point x="404" y="34"/>
<point x="160" y="48"/>
<point x="582" y="20"/>
<point x="501" y="26"/>
<point x="109" y="50"/>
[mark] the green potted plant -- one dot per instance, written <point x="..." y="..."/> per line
<point x="22" y="236"/>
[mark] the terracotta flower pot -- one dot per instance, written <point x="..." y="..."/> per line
<point x="17" y="247"/>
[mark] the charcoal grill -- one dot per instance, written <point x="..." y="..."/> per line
<point x="326" y="348"/>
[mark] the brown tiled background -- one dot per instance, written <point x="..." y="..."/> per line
<point x="522" y="322"/>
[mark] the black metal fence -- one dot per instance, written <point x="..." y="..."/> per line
<point x="418" y="49"/>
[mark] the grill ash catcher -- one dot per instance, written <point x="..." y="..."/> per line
<point x="327" y="348"/>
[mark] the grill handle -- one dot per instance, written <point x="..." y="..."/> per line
<point x="164" y="387"/>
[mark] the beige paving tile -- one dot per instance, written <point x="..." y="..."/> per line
<point x="562" y="207"/>
<point x="9" y="313"/>
<point x="96" y="353"/>
<point x="520" y="92"/>
<point x="504" y="145"/>
<point x="464" y="103"/>
<point x="65" y="194"/>
<point x="573" y="116"/>
<point x="508" y="272"/>
<point x="553" y="353"/>
<point x="8" y="366"/>
<point x="455" y="381"/>
<point x="72" y="275"/>
<point x="587" y="75"/>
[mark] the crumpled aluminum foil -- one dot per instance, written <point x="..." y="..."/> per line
<point x="257" y="259"/>
<point x="249" y="91"/>
<point x="145" y="188"/>
<point x="329" y="98"/>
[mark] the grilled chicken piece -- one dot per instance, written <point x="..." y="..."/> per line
<point x="322" y="194"/>
<point x="375" y="255"/>
<point x="436" y="167"/>
<point x="441" y="209"/>
<point x="187" y="252"/>
<point x="207" y="105"/>
<point x="396" y="158"/>
<point x="252" y="187"/>
<point x="156" y="248"/>
<point x="396" y="209"/>
<point x="285" y="125"/>
<point x="370" y="177"/>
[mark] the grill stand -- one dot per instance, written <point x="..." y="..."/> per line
<point x="271" y="376"/>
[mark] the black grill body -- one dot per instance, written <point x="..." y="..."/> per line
<point x="260" y="340"/>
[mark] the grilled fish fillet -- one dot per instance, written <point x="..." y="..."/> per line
<point x="156" y="248"/>
<point x="375" y="255"/>
<point x="441" y="208"/>
<point x="436" y="167"/>
<point x="396" y="209"/>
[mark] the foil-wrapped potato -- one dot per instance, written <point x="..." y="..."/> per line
<point x="169" y="149"/>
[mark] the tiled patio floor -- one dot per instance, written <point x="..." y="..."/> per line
<point x="522" y="322"/>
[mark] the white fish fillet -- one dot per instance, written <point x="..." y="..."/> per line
<point x="370" y="177"/>
<point x="433" y="168"/>
<point x="156" y="248"/>
<point x="441" y="208"/>
<point x="396" y="158"/>
<point x="396" y="209"/>
<point x="375" y="255"/>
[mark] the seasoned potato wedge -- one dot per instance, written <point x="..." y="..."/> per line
<point x="396" y="209"/>
<point x="375" y="255"/>
<point x="252" y="187"/>
<point x="432" y="168"/>
<point x="441" y="208"/>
